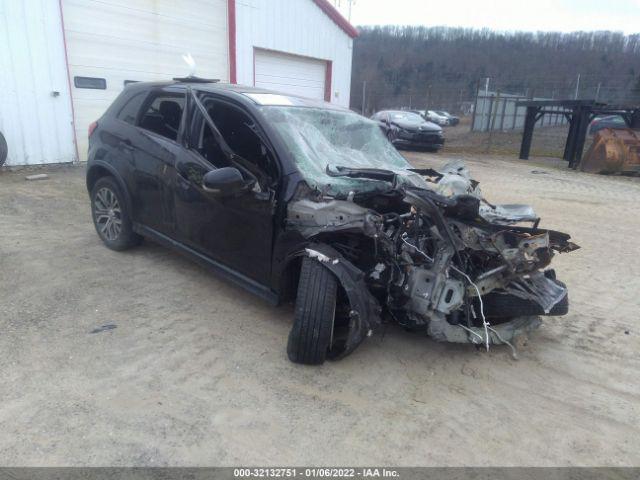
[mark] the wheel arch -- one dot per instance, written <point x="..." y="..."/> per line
<point x="100" y="170"/>
<point x="289" y="277"/>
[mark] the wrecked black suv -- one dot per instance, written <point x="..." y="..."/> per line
<point x="298" y="199"/>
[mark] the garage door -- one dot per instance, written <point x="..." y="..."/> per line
<point x="290" y="74"/>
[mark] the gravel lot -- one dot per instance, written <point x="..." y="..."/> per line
<point x="548" y="141"/>
<point x="195" y="371"/>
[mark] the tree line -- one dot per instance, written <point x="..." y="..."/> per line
<point x="442" y="67"/>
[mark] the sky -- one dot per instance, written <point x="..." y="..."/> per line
<point x="505" y="15"/>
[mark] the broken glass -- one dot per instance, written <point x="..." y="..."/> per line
<point x="320" y="138"/>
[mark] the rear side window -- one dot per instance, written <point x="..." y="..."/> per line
<point x="129" y="112"/>
<point x="162" y="114"/>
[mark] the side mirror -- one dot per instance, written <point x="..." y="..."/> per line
<point x="223" y="182"/>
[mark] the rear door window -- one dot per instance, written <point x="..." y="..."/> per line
<point x="129" y="112"/>
<point x="163" y="114"/>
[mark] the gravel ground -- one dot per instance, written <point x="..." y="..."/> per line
<point x="548" y="141"/>
<point x="194" y="370"/>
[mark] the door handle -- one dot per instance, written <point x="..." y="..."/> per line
<point x="126" y="145"/>
<point x="184" y="181"/>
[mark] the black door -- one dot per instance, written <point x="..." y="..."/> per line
<point x="154" y="149"/>
<point x="235" y="231"/>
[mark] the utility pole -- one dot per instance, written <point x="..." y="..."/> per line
<point x="577" y="88"/>
<point x="364" y="95"/>
<point x="492" y="119"/>
<point x="484" y="104"/>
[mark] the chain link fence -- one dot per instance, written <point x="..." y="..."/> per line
<point x="490" y="120"/>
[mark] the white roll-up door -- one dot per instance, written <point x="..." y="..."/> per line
<point x="115" y="41"/>
<point x="290" y="74"/>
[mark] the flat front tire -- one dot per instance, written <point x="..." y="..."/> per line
<point x="311" y="334"/>
<point x="111" y="216"/>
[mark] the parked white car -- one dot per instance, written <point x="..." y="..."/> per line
<point x="437" y="118"/>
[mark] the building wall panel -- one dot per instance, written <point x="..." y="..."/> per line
<point x="36" y="122"/>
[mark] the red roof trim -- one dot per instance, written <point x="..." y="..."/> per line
<point x="66" y="61"/>
<point x="337" y="18"/>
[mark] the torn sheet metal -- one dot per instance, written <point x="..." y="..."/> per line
<point x="508" y="214"/>
<point x="426" y="257"/>
<point x="539" y="289"/>
<point x="504" y="333"/>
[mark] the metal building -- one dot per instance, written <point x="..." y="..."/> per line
<point x="68" y="59"/>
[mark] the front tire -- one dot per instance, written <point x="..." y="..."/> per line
<point x="111" y="216"/>
<point x="310" y="336"/>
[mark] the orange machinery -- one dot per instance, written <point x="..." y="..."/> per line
<point x="613" y="151"/>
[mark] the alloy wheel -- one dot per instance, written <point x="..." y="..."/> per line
<point x="108" y="214"/>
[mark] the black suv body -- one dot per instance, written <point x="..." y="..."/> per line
<point x="146" y="141"/>
<point x="298" y="199"/>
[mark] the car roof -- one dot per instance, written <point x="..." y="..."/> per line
<point x="398" y="111"/>
<point x="260" y="96"/>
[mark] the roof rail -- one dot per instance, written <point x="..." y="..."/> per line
<point x="192" y="79"/>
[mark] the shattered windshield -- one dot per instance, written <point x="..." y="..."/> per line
<point x="319" y="138"/>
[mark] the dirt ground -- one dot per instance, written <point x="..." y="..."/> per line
<point x="194" y="371"/>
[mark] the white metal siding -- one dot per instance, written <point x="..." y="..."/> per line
<point x="301" y="28"/>
<point x="37" y="125"/>
<point x="140" y="40"/>
<point x="290" y="74"/>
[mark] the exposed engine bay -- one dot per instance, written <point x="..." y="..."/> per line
<point x="437" y="259"/>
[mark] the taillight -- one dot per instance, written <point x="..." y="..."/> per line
<point x="92" y="127"/>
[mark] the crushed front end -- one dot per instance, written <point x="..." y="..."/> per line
<point x="432" y="256"/>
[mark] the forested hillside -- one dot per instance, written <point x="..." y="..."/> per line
<point x="442" y="67"/>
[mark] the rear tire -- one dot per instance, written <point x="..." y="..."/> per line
<point x="111" y="216"/>
<point x="310" y="336"/>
